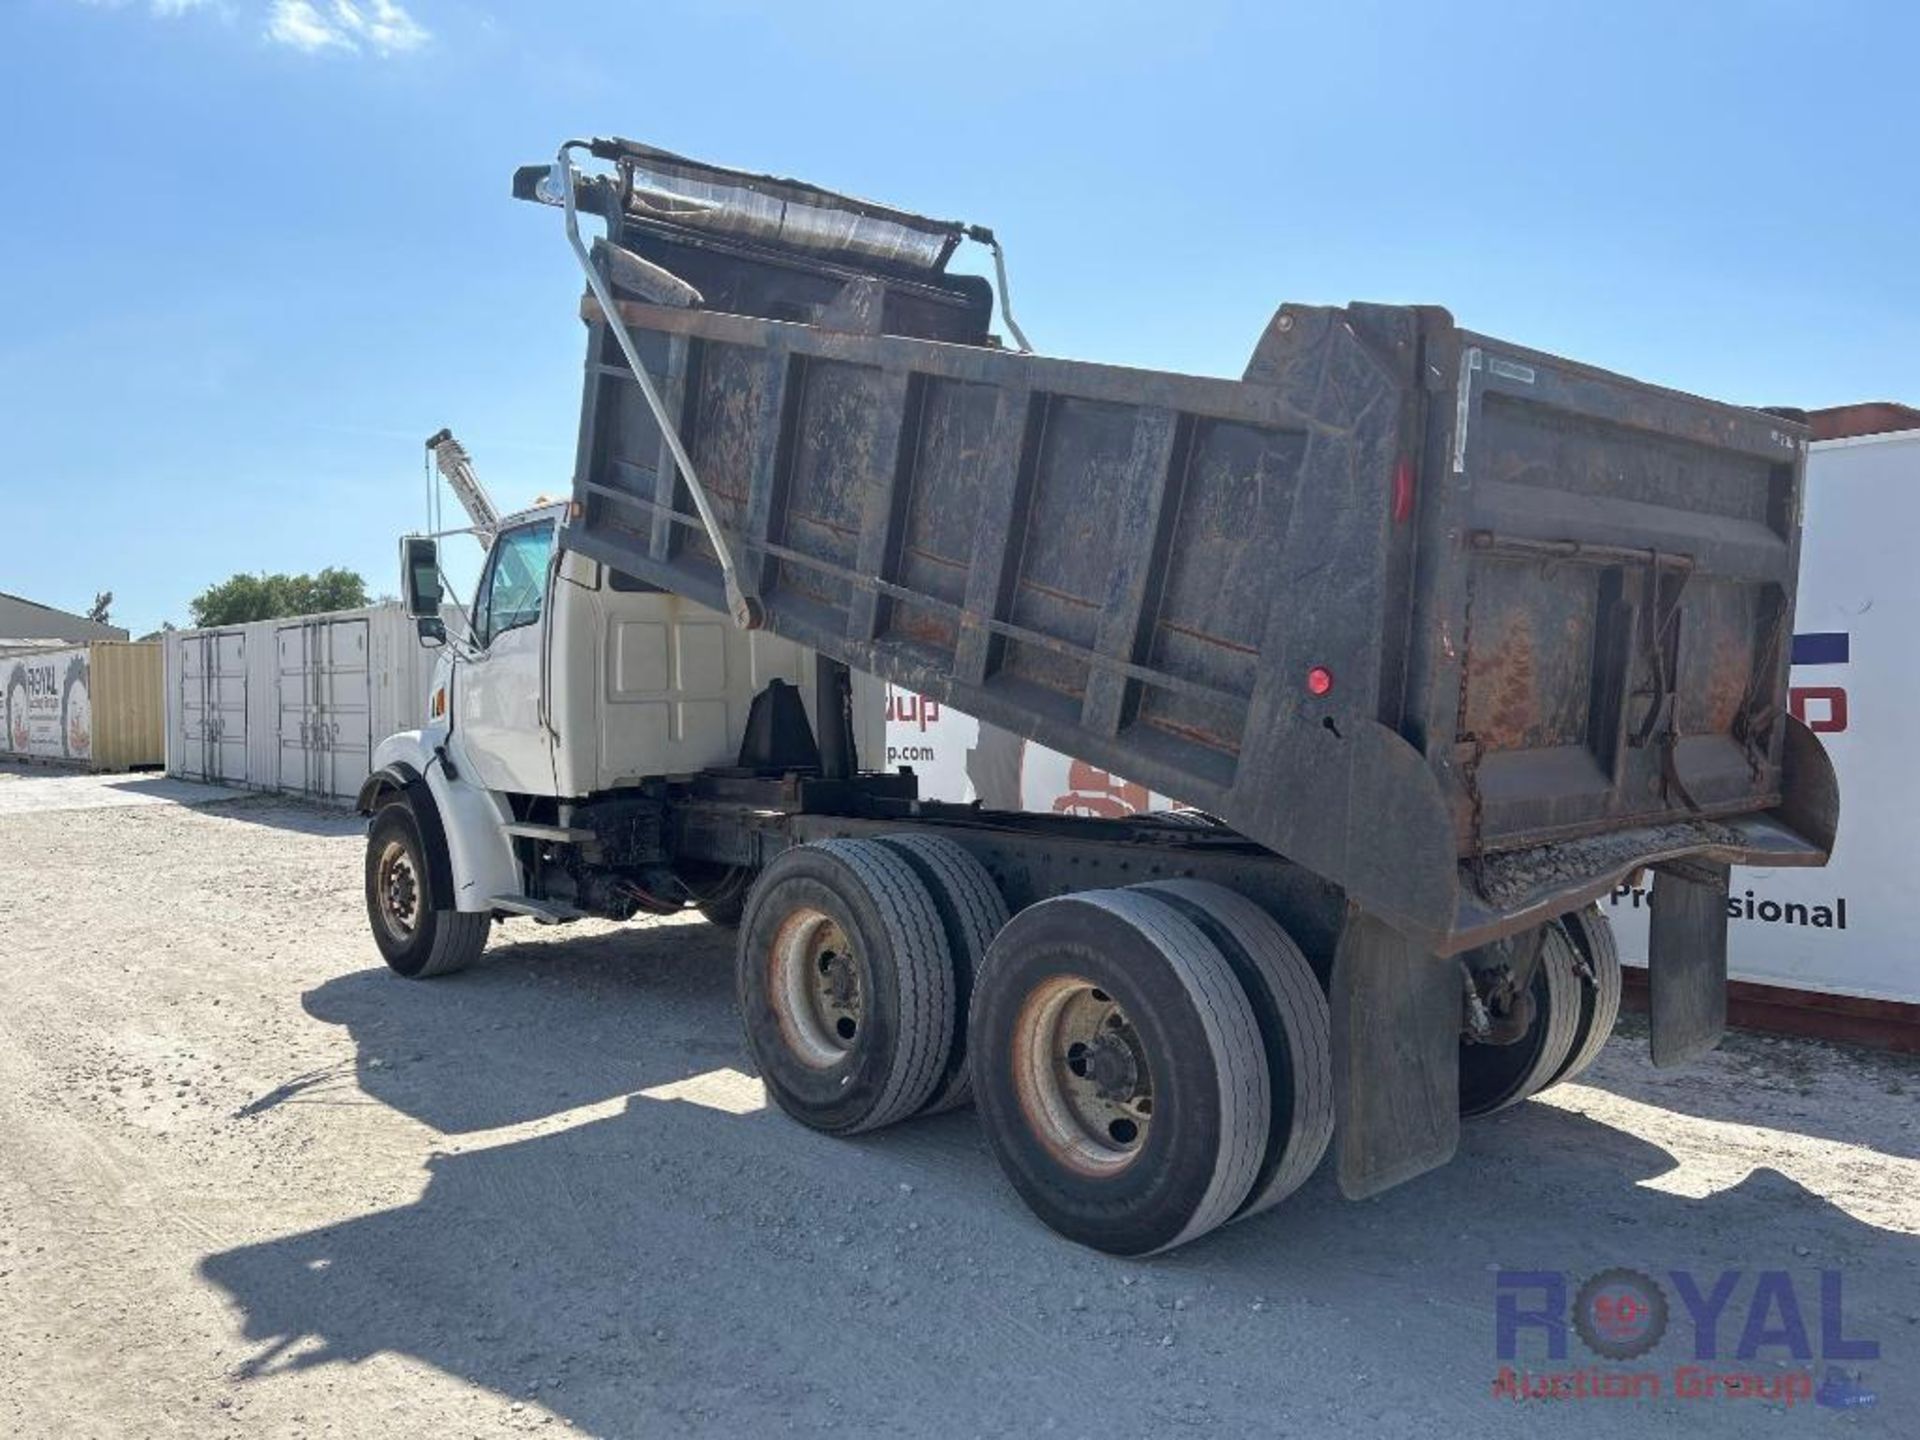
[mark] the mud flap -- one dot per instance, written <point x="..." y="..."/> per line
<point x="1687" y="960"/>
<point x="1396" y="1057"/>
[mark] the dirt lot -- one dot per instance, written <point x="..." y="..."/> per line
<point x="250" y="1184"/>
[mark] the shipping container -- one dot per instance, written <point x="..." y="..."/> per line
<point x="97" y="705"/>
<point x="294" y="704"/>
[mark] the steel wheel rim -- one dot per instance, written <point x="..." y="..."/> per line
<point x="397" y="887"/>
<point x="1082" y="1076"/>
<point x="818" y="989"/>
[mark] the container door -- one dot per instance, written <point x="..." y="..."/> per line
<point x="295" y="707"/>
<point x="193" y="707"/>
<point x="213" y="706"/>
<point x="227" y="706"/>
<point x="346" y="708"/>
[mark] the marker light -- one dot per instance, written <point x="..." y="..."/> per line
<point x="1402" y="492"/>
<point x="1319" y="680"/>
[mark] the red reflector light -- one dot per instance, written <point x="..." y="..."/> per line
<point x="1319" y="680"/>
<point x="1402" y="492"/>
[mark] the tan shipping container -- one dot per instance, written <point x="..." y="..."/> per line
<point x="98" y="706"/>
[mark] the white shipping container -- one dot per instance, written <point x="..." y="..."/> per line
<point x="294" y="705"/>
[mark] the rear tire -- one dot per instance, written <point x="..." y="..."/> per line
<point x="1291" y="1010"/>
<point x="1592" y="936"/>
<point x="845" y="985"/>
<point x="417" y="938"/>
<point x="1119" y="1071"/>
<point x="1492" y="1077"/>
<point x="972" y="911"/>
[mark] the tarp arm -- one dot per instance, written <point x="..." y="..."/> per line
<point x="980" y="234"/>
<point x="745" y="607"/>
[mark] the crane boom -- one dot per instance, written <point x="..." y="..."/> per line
<point x="450" y="457"/>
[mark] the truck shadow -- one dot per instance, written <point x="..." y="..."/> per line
<point x="665" y="1263"/>
<point x="549" y="1021"/>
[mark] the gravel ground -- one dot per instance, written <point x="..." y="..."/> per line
<point x="251" y="1184"/>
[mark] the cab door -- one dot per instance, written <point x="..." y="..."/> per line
<point x="501" y="722"/>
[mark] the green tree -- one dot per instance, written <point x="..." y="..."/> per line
<point x="243" y="597"/>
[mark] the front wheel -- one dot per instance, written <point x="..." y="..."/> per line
<point x="417" y="937"/>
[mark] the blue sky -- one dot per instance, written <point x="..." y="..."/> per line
<point x="255" y="250"/>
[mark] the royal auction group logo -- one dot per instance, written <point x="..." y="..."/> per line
<point x="1620" y="1314"/>
<point x="1791" y="1348"/>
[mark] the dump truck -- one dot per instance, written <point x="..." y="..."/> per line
<point x="1434" y="638"/>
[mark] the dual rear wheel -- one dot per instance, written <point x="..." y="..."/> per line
<point x="845" y="987"/>
<point x="855" y="971"/>
<point x="1574" y="1000"/>
<point x="1148" y="1062"/>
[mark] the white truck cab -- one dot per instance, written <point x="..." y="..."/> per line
<point x="564" y="680"/>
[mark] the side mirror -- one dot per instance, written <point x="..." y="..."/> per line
<point x="431" y="628"/>
<point x="420" y="578"/>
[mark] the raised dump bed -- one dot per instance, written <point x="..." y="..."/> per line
<point x="1468" y="629"/>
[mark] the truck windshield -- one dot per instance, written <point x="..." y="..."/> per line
<point x="515" y="582"/>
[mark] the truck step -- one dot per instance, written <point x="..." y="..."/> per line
<point x="557" y="834"/>
<point x="547" y="912"/>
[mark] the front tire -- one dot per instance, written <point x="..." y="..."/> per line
<point x="416" y="937"/>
